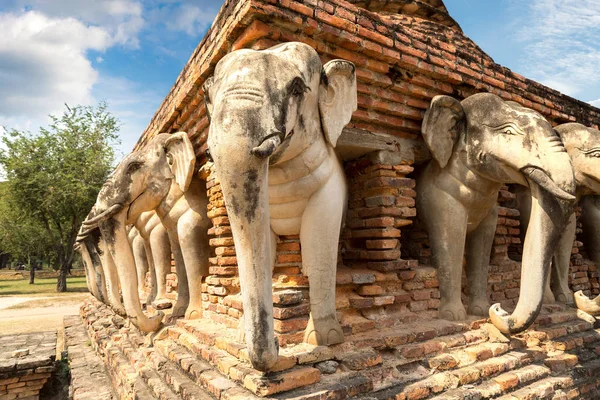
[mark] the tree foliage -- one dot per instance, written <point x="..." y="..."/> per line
<point x="52" y="180"/>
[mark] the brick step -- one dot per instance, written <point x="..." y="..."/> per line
<point x="162" y="375"/>
<point x="129" y="343"/>
<point x="577" y="383"/>
<point x="422" y="330"/>
<point x="122" y="362"/>
<point x="443" y="345"/>
<point x="186" y="386"/>
<point x="534" y="381"/>
<point x="418" y="381"/>
<point x="555" y="331"/>
<point x="553" y="314"/>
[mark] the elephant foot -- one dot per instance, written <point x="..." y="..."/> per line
<point x="479" y="307"/>
<point x="323" y="331"/>
<point x="119" y="310"/>
<point x="548" y="298"/>
<point x="162" y="304"/>
<point x="452" y="311"/>
<point x="142" y="296"/>
<point x="194" y="311"/>
<point x="564" y="297"/>
<point x="178" y="310"/>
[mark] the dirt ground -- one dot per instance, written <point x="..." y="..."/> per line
<point x="24" y="314"/>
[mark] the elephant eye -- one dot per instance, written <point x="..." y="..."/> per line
<point x="509" y="129"/>
<point x="134" y="166"/>
<point x="170" y="158"/>
<point x="592" y="153"/>
<point x="297" y="88"/>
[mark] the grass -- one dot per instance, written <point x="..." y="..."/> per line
<point x="45" y="287"/>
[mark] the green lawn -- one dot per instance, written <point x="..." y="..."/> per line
<point x="42" y="287"/>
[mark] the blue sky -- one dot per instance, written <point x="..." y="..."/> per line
<point x="129" y="52"/>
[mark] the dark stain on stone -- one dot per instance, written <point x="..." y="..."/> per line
<point x="109" y="229"/>
<point x="251" y="194"/>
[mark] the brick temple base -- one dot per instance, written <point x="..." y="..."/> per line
<point x="417" y="358"/>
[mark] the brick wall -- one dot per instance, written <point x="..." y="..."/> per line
<point x="402" y="61"/>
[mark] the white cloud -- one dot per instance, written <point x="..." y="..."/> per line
<point x="191" y="19"/>
<point x="122" y="19"/>
<point x="43" y="64"/>
<point x="562" y="50"/>
<point x="44" y="54"/>
<point x="595" y="103"/>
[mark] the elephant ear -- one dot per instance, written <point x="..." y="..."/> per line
<point x="442" y="126"/>
<point x="337" y="98"/>
<point x="207" y="100"/>
<point x="181" y="158"/>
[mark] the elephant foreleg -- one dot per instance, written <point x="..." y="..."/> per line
<point x="319" y="236"/>
<point x="141" y="263"/>
<point x="591" y="228"/>
<point x="446" y="222"/>
<point x="161" y="257"/>
<point x="561" y="261"/>
<point x="479" y="247"/>
<point x="195" y="250"/>
<point x="183" y="292"/>
<point x="152" y="270"/>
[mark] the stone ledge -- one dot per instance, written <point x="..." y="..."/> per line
<point x="89" y="379"/>
<point x="26" y="363"/>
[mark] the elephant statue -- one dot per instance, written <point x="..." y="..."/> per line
<point x="157" y="251"/>
<point x="276" y="116"/>
<point x="477" y="145"/>
<point x="158" y="177"/>
<point x="583" y="147"/>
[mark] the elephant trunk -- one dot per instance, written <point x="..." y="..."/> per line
<point x="245" y="190"/>
<point x="115" y="235"/>
<point x="548" y="217"/>
<point x="91" y="245"/>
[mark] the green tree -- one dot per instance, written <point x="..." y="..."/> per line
<point x="53" y="178"/>
<point x="17" y="230"/>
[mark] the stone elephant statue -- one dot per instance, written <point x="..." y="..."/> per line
<point x="158" y="177"/>
<point x="477" y="145"/>
<point x="281" y="112"/>
<point x="583" y="147"/>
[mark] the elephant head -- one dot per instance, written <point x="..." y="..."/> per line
<point x="484" y="141"/>
<point x="267" y="108"/>
<point x="141" y="182"/>
<point x="583" y="146"/>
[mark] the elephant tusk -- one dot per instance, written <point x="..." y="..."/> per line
<point x="543" y="180"/>
<point x="109" y="212"/>
<point x="268" y="146"/>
